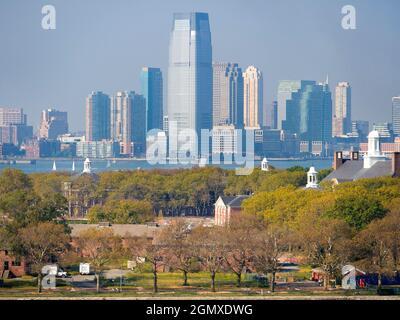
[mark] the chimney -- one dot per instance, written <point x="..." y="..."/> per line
<point x="337" y="160"/>
<point x="396" y="164"/>
<point x="355" y="155"/>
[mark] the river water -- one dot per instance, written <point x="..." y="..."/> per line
<point x="104" y="165"/>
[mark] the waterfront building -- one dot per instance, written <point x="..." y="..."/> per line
<point x="189" y="77"/>
<point x="253" y="97"/>
<point x="97" y="116"/>
<point x="13" y="126"/>
<point x="97" y="149"/>
<point x="309" y="115"/>
<point x="151" y="81"/>
<point x="227" y="94"/>
<point x="342" y="115"/>
<point x="52" y="124"/>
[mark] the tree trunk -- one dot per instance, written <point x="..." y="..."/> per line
<point x="39" y="282"/>
<point x="272" y="285"/>
<point x="326" y="281"/>
<point x="155" y="286"/>
<point x="97" y="282"/>
<point x="239" y="279"/>
<point x="185" y="278"/>
<point x="379" y="281"/>
<point x="213" y="281"/>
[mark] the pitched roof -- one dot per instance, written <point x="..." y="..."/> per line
<point x="234" y="202"/>
<point x="122" y="230"/>
<point x="354" y="169"/>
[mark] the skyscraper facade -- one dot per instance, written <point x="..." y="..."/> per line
<point x="227" y="94"/>
<point x="272" y="115"/>
<point x="53" y="123"/>
<point x="138" y="124"/>
<point x="253" y="97"/>
<point x="120" y="120"/>
<point x="309" y="112"/>
<point x="285" y="90"/>
<point x="190" y="74"/>
<point x="342" y="116"/>
<point x="97" y="116"/>
<point x="396" y="115"/>
<point x="151" y="81"/>
<point x="14" y="128"/>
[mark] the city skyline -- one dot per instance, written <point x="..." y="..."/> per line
<point x="339" y="51"/>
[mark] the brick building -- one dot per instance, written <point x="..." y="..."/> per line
<point x="226" y="207"/>
<point x="11" y="267"/>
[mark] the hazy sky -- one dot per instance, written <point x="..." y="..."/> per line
<point x="102" y="45"/>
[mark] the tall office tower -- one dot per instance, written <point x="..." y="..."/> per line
<point x="342" y="116"/>
<point x="396" y="115"/>
<point x="253" y="97"/>
<point x="138" y="124"/>
<point x="9" y="116"/>
<point x="53" y="123"/>
<point x="285" y="90"/>
<point x="120" y="120"/>
<point x="97" y="116"/>
<point x="151" y="81"/>
<point x="273" y="118"/>
<point x="13" y="126"/>
<point x="309" y="112"/>
<point x="227" y="94"/>
<point x="189" y="76"/>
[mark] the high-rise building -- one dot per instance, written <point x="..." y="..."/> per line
<point x="138" y="123"/>
<point x="359" y="129"/>
<point x="396" y="115"/>
<point x="385" y="130"/>
<point x="189" y="75"/>
<point x="151" y="81"/>
<point x="342" y="116"/>
<point x="227" y="94"/>
<point x="53" y="123"/>
<point x="285" y="90"/>
<point x="253" y="97"/>
<point x="120" y="120"/>
<point x="309" y="113"/>
<point x="97" y="116"/>
<point x="273" y="117"/>
<point x="13" y="126"/>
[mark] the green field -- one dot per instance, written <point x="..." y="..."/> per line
<point x="141" y="285"/>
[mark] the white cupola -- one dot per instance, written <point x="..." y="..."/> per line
<point x="312" y="179"/>
<point x="264" y="165"/>
<point x="374" y="150"/>
<point x="87" y="167"/>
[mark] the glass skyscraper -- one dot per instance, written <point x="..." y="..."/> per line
<point x="190" y="74"/>
<point x="396" y="115"/>
<point x="97" y="116"/>
<point x="151" y="81"/>
<point x="309" y="112"/>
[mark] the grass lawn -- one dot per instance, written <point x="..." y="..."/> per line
<point x="137" y="284"/>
